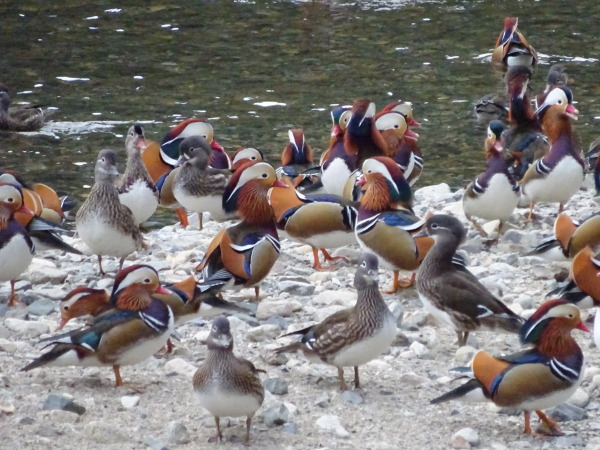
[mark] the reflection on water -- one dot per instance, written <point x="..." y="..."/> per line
<point x="255" y="69"/>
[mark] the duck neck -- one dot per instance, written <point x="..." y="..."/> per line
<point x="556" y="341"/>
<point x="254" y="206"/>
<point x="369" y="300"/>
<point x="442" y="251"/>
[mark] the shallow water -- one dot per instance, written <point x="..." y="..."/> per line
<point x="255" y="69"/>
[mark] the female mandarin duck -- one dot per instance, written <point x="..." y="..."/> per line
<point x="20" y="118"/>
<point x="136" y="328"/>
<point x="523" y="140"/>
<point x="197" y="187"/>
<point x="16" y="247"/>
<point x="582" y="289"/>
<point x="534" y="379"/>
<point x="452" y="294"/>
<point x="321" y="221"/>
<point x="351" y="337"/>
<point x="570" y="238"/>
<point x="336" y="163"/>
<point x="296" y="158"/>
<point x="160" y="159"/>
<point x="386" y="222"/>
<point x="558" y="175"/>
<point x="512" y="49"/>
<point x="136" y="189"/>
<point x="494" y="194"/>
<point x="227" y="385"/>
<point x="103" y="223"/>
<point x="243" y="254"/>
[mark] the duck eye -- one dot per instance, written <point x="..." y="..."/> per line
<point x="434" y="225"/>
<point x="252" y="158"/>
<point x="559" y="102"/>
<point x="10" y="200"/>
<point x="396" y="126"/>
<point x="364" y="264"/>
<point x="205" y="136"/>
<point x="66" y="307"/>
<point x="147" y="280"/>
<point x="264" y="175"/>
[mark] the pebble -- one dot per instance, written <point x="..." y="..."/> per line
<point x="107" y="433"/>
<point x="567" y="411"/>
<point x="7" y="346"/>
<point x="276" y="386"/>
<point x="330" y="424"/>
<point x="155" y="444"/>
<point x="130" y="401"/>
<point x="275" y="414"/>
<point x="181" y="367"/>
<point x="465" y="438"/>
<point x="352" y="397"/>
<point x="580" y="398"/>
<point x="296" y="288"/>
<point x="263" y="333"/>
<point x="29" y="328"/>
<point x="342" y="297"/>
<point x="412" y="379"/>
<point x="177" y="433"/>
<point x="397" y="310"/>
<point x="419" y="349"/>
<point x="323" y="401"/>
<point x="41" y="307"/>
<point x="283" y="308"/>
<point x="58" y="416"/>
<point x="56" y="401"/>
<point x="464" y="355"/>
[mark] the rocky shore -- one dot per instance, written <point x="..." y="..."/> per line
<point x="79" y="407"/>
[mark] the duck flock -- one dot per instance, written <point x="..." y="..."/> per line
<point x="358" y="194"/>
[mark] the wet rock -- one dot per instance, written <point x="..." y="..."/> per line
<point x="177" y="433"/>
<point x="567" y="411"/>
<point x="41" y="307"/>
<point x="352" y="397"/>
<point x="263" y="333"/>
<point x="330" y="424"/>
<point x="56" y="401"/>
<point x="276" y="386"/>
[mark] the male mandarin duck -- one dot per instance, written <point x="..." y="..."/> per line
<point x="160" y="159"/>
<point x="494" y="194"/>
<point x="243" y="254"/>
<point x="103" y="223"/>
<point x="227" y="385"/>
<point x="136" y="188"/>
<point x="21" y="118"/>
<point x="196" y="186"/>
<point x="557" y="176"/>
<point x="582" y="289"/>
<point x="523" y="140"/>
<point x="593" y="162"/>
<point x="351" y="337"/>
<point x="336" y="163"/>
<point x="245" y="154"/>
<point x="533" y="379"/>
<point x="362" y="138"/>
<point x="296" y="158"/>
<point x="321" y="221"/>
<point x="452" y="294"/>
<point x="570" y="238"/>
<point x="386" y="221"/>
<point x="512" y="49"/>
<point x="137" y="326"/>
<point x="83" y="301"/>
<point x="16" y="247"/>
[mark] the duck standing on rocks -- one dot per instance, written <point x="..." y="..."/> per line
<point x="16" y="247"/>
<point x="386" y="222"/>
<point x="354" y="336"/>
<point x="453" y="295"/>
<point x="243" y="254"/>
<point x="104" y="224"/>
<point x="559" y="174"/>
<point x="136" y="189"/>
<point x="494" y="194"/>
<point x="196" y="186"/>
<point x="582" y="289"/>
<point x="296" y="161"/>
<point x="336" y="163"/>
<point x="227" y="385"/>
<point x="533" y="379"/>
<point x="136" y="328"/>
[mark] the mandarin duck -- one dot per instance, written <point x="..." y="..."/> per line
<point x="160" y="159"/>
<point x="336" y="163"/>
<point x="227" y="385"/>
<point x="494" y="194"/>
<point x="533" y="379"/>
<point x="243" y="254"/>
<point x="557" y="176"/>
<point x="454" y="296"/>
<point x="21" y="118"/>
<point x="245" y="154"/>
<point x="81" y="302"/>
<point x="523" y="140"/>
<point x="582" y="288"/>
<point x="557" y="77"/>
<point x="103" y="223"/>
<point x="593" y="162"/>
<point x="322" y="221"/>
<point x="491" y="107"/>
<point x="386" y="222"/>
<point x="408" y="155"/>
<point x="512" y="49"/>
<point x="570" y="238"/>
<point x="137" y="326"/>
<point x="196" y="186"/>
<point x="136" y="188"/>
<point x="296" y="160"/>
<point x="16" y="247"/>
<point x="351" y="337"/>
<point x="362" y="138"/>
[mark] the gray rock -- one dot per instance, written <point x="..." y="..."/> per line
<point x="276" y="386"/>
<point x="330" y="424"/>
<point x="469" y="435"/>
<point x="276" y="414"/>
<point x="397" y="310"/>
<point x="41" y="307"/>
<point x="30" y="328"/>
<point x="412" y="379"/>
<point x="246" y="318"/>
<point x="290" y="428"/>
<point x="567" y="411"/>
<point x="39" y="275"/>
<point x="281" y="322"/>
<point x="474" y="245"/>
<point x="401" y="340"/>
<point x="352" y="397"/>
<point x="56" y="401"/>
<point x="323" y="401"/>
<point x="177" y="433"/>
<point x="296" y="288"/>
<point x="155" y="444"/>
<point x="263" y="333"/>
<point x="565" y="442"/>
<point x="283" y="308"/>
<point x="580" y="398"/>
<point x="270" y="357"/>
<point x="513" y="236"/>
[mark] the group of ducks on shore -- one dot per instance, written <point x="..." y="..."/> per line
<point x="360" y="193"/>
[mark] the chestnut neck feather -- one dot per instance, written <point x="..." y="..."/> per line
<point x="556" y="341"/>
<point x="377" y="195"/>
<point x="253" y="205"/>
<point x="133" y="299"/>
<point x="392" y="142"/>
<point x="555" y="123"/>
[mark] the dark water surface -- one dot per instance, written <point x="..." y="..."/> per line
<point x="255" y="69"/>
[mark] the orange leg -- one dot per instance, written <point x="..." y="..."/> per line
<point x="549" y="427"/>
<point x="328" y="257"/>
<point x="530" y="216"/>
<point x="256" y="293"/>
<point x="118" y="379"/>
<point x="219" y="436"/>
<point x="527" y="429"/>
<point x="13" y="299"/>
<point x="343" y="386"/>
<point x="397" y="284"/>
<point x="183" y="218"/>
<point x="100" y="265"/>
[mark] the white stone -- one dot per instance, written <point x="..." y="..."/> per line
<point x="432" y="193"/>
<point x="344" y="298"/>
<point x="419" y="349"/>
<point x="271" y="308"/>
<point x="263" y="333"/>
<point x="42" y="274"/>
<point x="464" y="355"/>
<point x="181" y="367"/>
<point x="27" y="327"/>
<point x="580" y="398"/>
<point x="130" y="401"/>
<point x="330" y="424"/>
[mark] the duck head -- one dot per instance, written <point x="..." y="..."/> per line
<point x="297" y="151"/>
<point x="559" y="100"/>
<point x="169" y="146"/>
<point x="384" y="185"/>
<point x="493" y="141"/>
<point x="393" y="128"/>
<point x="134" y="287"/>
<point x="135" y="139"/>
<point x="106" y="166"/>
<point x="82" y="301"/>
<point x="340" y="117"/>
<point x="220" y="335"/>
<point x="444" y="226"/>
<point x="244" y="155"/>
<point x="11" y="202"/>
<point x="367" y="272"/>
<point x="194" y="150"/>
<point x="404" y="108"/>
